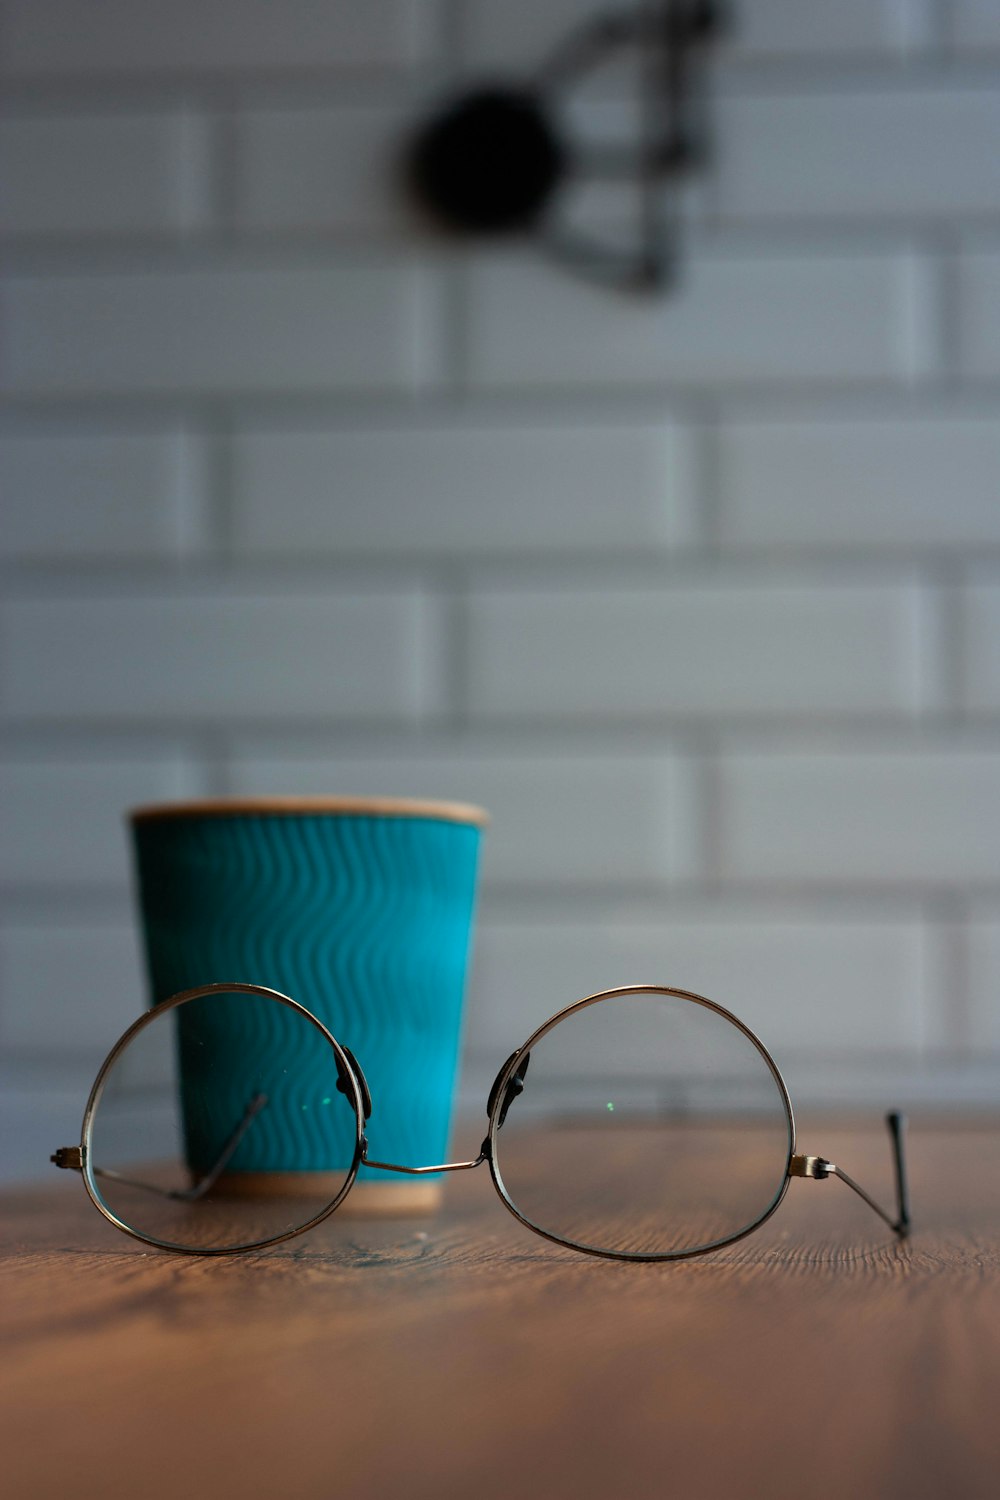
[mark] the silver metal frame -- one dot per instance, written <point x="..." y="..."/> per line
<point x="86" y="1164"/>
<point x="505" y="1086"/>
<point x="510" y="1068"/>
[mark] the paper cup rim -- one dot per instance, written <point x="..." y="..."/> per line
<point x="370" y="807"/>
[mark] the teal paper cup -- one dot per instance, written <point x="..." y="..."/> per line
<point x="362" y="910"/>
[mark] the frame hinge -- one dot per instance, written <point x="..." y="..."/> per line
<point x="810" y="1166"/>
<point x="69" y="1156"/>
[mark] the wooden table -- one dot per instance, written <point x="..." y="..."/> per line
<point x="460" y="1356"/>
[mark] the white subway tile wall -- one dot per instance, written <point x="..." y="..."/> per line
<point x="766" y="647"/>
<point x="75" y="985"/>
<point x="330" y="170"/>
<point x="107" y="175"/>
<point x="538" y="490"/>
<point x="902" y="153"/>
<point x="210" y="653"/>
<point x="794" y="980"/>
<point x="745" y="318"/>
<point x="860" y="486"/>
<point x="63" y="817"/>
<point x="978" y="333"/>
<point x="559" y="819"/>
<point x="699" y="594"/>
<point x="516" y="33"/>
<point x="56" y="39"/>
<point x="225" y="329"/>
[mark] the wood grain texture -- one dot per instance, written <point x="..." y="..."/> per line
<point x="458" y="1355"/>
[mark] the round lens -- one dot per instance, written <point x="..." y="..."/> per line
<point x="650" y="1124"/>
<point x="219" y="1125"/>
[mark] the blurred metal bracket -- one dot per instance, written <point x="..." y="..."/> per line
<point x="491" y="161"/>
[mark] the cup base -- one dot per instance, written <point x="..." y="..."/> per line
<point x="366" y="1199"/>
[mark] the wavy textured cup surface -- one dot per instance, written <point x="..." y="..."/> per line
<point x="361" y="910"/>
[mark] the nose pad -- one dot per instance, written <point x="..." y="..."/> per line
<point x="515" y="1086"/>
<point x="343" y="1083"/>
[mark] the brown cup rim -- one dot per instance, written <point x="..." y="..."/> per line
<point x="371" y="807"/>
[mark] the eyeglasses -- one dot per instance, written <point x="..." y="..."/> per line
<point x="653" y="1125"/>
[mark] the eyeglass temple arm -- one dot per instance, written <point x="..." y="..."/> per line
<point x="202" y="1186"/>
<point x="819" y="1167"/>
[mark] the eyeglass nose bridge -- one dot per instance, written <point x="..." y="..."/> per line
<point x="515" y="1086"/>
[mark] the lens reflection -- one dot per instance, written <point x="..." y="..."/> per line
<point x="649" y="1124"/>
<point x="220" y="1125"/>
